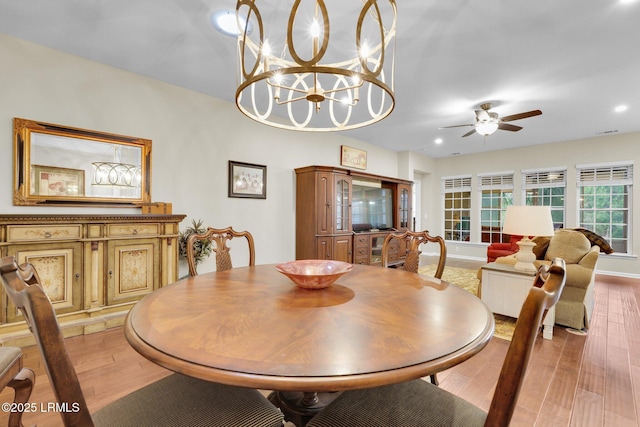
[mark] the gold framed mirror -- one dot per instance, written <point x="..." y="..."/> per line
<point x="60" y="165"/>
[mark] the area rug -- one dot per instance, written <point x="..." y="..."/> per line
<point x="467" y="279"/>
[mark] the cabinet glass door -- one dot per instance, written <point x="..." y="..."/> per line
<point x="376" y="249"/>
<point x="343" y="204"/>
<point x="404" y="208"/>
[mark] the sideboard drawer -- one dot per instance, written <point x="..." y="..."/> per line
<point x="362" y="260"/>
<point x="362" y="252"/>
<point x="132" y="230"/>
<point x="361" y="241"/>
<point x="30" y="233"/>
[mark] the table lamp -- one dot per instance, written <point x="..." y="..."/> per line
<point x="527" y="221"/>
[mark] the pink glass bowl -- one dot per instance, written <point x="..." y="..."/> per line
<point x="314" y="273"/>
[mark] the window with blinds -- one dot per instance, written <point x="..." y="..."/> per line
<point x="496" y="182"/>
<point x="613" y="174"/>
<point x="456" y="192"/>
<point x="496" y="194"/>
<point x="546" y="187"/>
<point x="604" y="206"/>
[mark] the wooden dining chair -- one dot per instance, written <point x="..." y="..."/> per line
<point x="219" y="236"/>
<point x="20" y="379"/>
<point x="176" y="400"/>
<point x="414" y="239"/>
<point x="419" y="404"/>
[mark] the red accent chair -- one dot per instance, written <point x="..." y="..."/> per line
<point x="496" y="250"/>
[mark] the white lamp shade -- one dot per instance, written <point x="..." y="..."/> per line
<point x="528" y="221"/>
<point x="486" y="128"/>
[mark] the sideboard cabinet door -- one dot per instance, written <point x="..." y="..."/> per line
<point x="132" y="269"/>
<point x="59" y="266"/>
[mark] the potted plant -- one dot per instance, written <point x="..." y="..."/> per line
<point x="201" y="247"/>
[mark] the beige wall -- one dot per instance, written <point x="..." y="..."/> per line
<point x="194" y="136"/>
<point x="613" y="148"/>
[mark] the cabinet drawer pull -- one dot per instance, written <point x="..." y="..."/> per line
<point x="135" y="231"/>
<point x="47" y="234"/>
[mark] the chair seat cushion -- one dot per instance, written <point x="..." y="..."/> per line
<point x="9" y="357"/>
<point x="415" y="403"/>
<point x="178" y="400"/>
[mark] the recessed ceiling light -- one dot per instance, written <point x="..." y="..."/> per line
<point x="438" y="141"/>
<point x="620" y="108"/>
<point x="225" y="22"/>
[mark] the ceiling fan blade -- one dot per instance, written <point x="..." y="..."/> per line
<point x="471" y="132"/>
<point x="521" y="116"/>
<point x="508" y="126"/>
<point x="456" y="126"/>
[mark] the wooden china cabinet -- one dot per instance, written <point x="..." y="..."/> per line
<point x="94" y="268"/>
<point x="325" y="215"/>
<point x="323" y="209"/>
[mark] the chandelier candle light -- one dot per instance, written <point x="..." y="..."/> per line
<point x="316" y="65"/>
<point x="116" y="174"/>
<point x="527" y="221"/>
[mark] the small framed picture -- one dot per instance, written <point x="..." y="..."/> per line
<point x="54" y="181"/>
<point x="247" y="180"/>
<point x="353" y="158"/>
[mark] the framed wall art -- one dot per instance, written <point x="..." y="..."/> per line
<point x="353" y="158"/>
<point x="55" y="181"/>
<point x="247" y="180"/>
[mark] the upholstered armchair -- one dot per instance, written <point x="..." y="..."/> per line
<point x="575" y="306"/>
<point x="497" y="249"/>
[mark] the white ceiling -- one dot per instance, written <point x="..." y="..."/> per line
<point x="573" y="59"/>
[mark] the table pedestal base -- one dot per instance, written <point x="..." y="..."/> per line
<point x="299" y="407"/>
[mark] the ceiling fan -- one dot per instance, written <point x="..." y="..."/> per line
<point x="488" y="122"/>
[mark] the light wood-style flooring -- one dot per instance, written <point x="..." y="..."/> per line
<point x="573" y="380"/>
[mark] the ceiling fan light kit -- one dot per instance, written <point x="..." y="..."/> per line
<point x="487" y="122"/>
<point x="487" y="128"/>
<point x="293" y="75"/>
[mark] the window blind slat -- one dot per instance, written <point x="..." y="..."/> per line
<point x="606" y="175"/>
<point x="456" y="184"/>
<point x="544" y="179"/>
<point x="496" y="182"/>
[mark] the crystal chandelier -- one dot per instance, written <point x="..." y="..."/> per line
<point x="293" y="75"/>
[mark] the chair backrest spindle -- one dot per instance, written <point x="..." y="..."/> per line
<point x="220" y="237"/>
<point x="412" y="257"/>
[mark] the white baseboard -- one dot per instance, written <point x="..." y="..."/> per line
<point x="617" y="274"/>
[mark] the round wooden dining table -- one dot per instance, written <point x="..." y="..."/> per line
<point x="253" y="327"/>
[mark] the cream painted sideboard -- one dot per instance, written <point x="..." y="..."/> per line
<point x="93" y="267"/>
